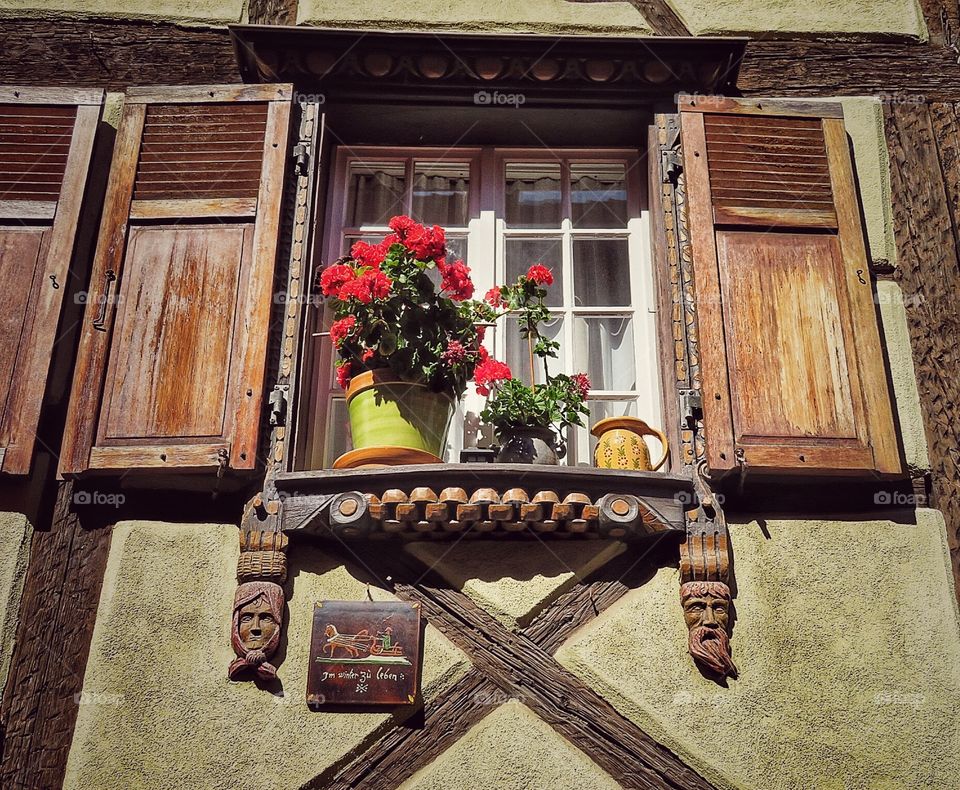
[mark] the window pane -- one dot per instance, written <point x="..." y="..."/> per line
<point x="338" y="432"/>
<point x="601" y="273"/>
<point x="518" y="350"/>
<point x="457" y="249"/>
<point x="440" y="193"/>
<point x="375" y="192"/>
<point x="533" y="198"/>
<point x="522" y="253"/>
<point x="598" y="195"/>
<point x="603" y="349"/>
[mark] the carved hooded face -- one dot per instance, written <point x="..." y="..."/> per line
<point x="706" y="610"/>
<point x="257" y="620"/>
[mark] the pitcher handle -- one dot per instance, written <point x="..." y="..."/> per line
<point x="647" y="430"/>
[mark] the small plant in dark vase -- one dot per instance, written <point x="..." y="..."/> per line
<point x="530" y="422"/>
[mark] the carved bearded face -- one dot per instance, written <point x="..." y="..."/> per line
<point x="706" y="610"/>
<point x="256" y="624"/>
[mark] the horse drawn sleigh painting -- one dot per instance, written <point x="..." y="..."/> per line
<point x="364" y="652"/>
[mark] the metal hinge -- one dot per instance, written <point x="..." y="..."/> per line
<point x="278" y="405"/>
<point x="223" y="460"/>
<point x="691" y="407"/>
<point x="742" y="466"/>
<point x="671" y="165"/>
<point x="301" y="156"/>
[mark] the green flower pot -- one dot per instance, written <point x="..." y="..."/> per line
<point x="394" y="421"/>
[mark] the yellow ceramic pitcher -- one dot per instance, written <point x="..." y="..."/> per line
<point x="621" y="444"/>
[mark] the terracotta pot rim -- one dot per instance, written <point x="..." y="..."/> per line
<point x="378" y="376"/>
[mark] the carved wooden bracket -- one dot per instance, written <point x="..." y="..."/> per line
<point x="704" y="584"/>
<point x="257" y="621"/>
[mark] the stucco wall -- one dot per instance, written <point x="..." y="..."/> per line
<point x="156" y="708"/>
<point x="848" y="642"/>
<point x="207" y="12"/>
<point x="15" y="534"/>
<point x="902" y="18"/>
<point x="487" y="16"/>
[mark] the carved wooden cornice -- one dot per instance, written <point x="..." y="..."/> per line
<point x="452" y="67"/>
<point x="476" y="501"/>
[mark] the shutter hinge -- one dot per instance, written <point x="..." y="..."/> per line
<point x="301" y="156"/>
<point x="223" y="459"/>
<point x="691" y="407"/>
<point x="671" y="162"/>
<point x="278" y="405"/>
<point x="671" y="165"/>
<point x="742" y="466"/>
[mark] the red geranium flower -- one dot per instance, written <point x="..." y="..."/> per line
<point x="456" y="280"/>
<point x="342" y="328"/>
<point x="378" y="283"/>
<point x="367" y="354"/>
<point x="343" y="375"/>
<point x="582" y="382"/>
<point x="540" y="274"/>
<point x="367" y="254"/>
<point x="335" y="277"/>
<point x="493" y="297"/>
<point x="488" y="372"/>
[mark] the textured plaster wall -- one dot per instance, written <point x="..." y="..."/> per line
<point x="863" y="118"/>
<point x="901" y="18"/>
<point x="896" y="333"/>
<point x="15" y="535"/>
<point x="511" y="748"/>
<point x="512" y="583"/>
<point x="486" y="16"/>
<point x="848" y="642"/>
<point x="212" y="12"/>
<point x="157" y="709"/>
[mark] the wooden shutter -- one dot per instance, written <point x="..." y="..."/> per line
<point x="46" y="140"/>
<point x="792" y="369"/>
<point x="170" y="369"/>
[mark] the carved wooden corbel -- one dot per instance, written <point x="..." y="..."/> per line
<point x="705" y="585"/>
<point x="258" y="604"/>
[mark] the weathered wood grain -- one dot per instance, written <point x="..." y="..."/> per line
<point x="795" y="381"/>
<point x="58" y="610"/>
<point x="36" y="261"/>
<point x="923" y="143"/>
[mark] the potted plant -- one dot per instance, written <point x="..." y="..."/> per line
<point x="405" y="349"/>
<point x="530" y="421"/>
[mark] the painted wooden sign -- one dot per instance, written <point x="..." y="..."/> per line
<point x="364" y="653"/>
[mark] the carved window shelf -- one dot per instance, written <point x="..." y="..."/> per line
<point x="482" y="501"/>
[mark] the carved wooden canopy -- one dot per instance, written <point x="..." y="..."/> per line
<point x="402" y="66"/>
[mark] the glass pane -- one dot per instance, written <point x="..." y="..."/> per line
<point x="457" y="249"/>
<point x="533" y="197"/>
<point x="370" y="238"/>
<point x="598" y="195"/>
<point x="603" y="349"/>
<point x="522" y="253"/>
<point x="375" y="192"/>
<point x="518" y="350"/>
<point x="338" y="432"/>
<point x="601" y="273"/>
<point x="440" y="193"/>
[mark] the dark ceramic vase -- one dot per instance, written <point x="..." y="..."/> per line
<point x="528" y="446"/>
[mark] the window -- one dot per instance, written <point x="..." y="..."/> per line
<point x="580" y="213"/>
